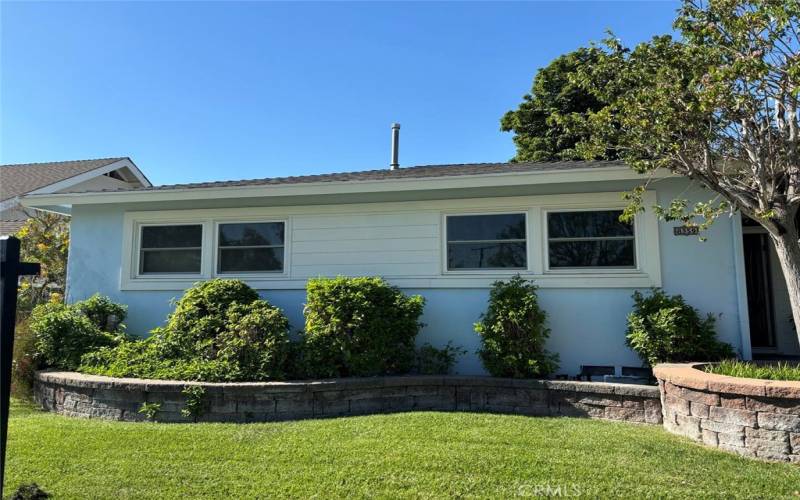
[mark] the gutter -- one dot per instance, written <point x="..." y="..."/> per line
<point x="337" y="187"/>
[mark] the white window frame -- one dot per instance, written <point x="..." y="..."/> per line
<point x="132" y="279"/>
<point x="249" y="274"/>
<point x="139" y="250"/>
<point x="487" y="270"/>
<point x="590" y="269"/>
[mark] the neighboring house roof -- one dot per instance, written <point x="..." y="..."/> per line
<point x="19" y="179"/>
<point x="11" y="226"/>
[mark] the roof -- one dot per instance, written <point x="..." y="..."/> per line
<point x="8" y="227"/>
<point x="16" y="180"/>
<point x="416" y="172"/>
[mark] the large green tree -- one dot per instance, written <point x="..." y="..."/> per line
<point x="720" y="106"/>
<point x="545" y="123"/>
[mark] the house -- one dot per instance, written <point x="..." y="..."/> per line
<point x="60" y="177"/>
<point x="446" y="232"/>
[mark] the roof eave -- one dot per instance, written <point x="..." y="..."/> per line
<point x="614" y="173"/>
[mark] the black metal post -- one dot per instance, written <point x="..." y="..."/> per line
<point x="10" y="271"/>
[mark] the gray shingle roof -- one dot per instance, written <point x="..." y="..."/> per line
<point x="9" y="227"/>
<point x="16" y="180"/>
<point x="422" y="171"/>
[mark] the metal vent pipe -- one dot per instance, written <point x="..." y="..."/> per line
<point x="395" y="147"/>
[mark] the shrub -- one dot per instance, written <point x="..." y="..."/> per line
<point x="64" y="333"/>
<point x="433" y="361"/>
<point x="220" y="331"/>
<point x="513" y="332"/>
<point x="104" y="313"/>
<point x="664" y="328"/>
<point x="25" y="362"/>
<point x="195" y="401"/>
<point x="359" y="327"/>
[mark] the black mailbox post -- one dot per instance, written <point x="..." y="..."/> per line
<point x="10" y="271"/>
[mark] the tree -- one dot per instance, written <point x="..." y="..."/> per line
<point x="544" y="124"/>
<point x="719" y="106"/>
<point x="45" y="239"/>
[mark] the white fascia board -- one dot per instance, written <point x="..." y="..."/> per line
<point x="339" y="187"/>
<point x="91" y="174"/>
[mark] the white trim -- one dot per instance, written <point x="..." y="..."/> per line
<point x="534" y="207"/>
<point x="341" y="187"/>
<point x="52" y="189"/>
<point x="741" y="284"/>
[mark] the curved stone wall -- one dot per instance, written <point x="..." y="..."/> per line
<point x="79" y="395"/>
<point x="756" y="418"/>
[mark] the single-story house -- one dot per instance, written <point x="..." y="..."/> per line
<point x="60" y="177"/>
<point x="446" y="232"/>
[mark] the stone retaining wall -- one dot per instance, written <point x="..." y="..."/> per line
<point x="88" y="396"/>
<point x="756" y="418"/>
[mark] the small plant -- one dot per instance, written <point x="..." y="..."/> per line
<point x="150" y="410"/>
<point x="433" y="361"/>
<point x="30" y="491"/>
<point x="359" y="327"/>
<point x="513" y="332"/>
<point x="736" y="368"/>
<point x="664" y="328"/>
<point x="195" y="401"/>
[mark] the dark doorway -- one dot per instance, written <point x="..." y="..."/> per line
<point x="759" y="290"/>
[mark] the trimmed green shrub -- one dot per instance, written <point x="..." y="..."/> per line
<point x="434" y="361"/>
<point x="359" y="327"/>
<point x="220" y="331"/>
<point x="513" y="332"/>
<point x="664" y="328"/>
<point x="103" y="312"/>
<point x="64" y="333"/>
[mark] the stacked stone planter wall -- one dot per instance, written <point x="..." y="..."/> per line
<point x="88" y="396"/>
<point x="757" y="418"/>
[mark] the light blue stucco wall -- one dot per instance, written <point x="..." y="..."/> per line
<point x="588" y="325"/>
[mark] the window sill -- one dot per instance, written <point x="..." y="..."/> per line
<point x="465" y="280"/>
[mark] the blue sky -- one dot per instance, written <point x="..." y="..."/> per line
<point x="209" y="91"/>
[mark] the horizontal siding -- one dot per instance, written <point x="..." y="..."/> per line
<point x="387" y="244"/>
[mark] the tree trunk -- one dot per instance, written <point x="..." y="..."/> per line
<point x="787" y="247"/>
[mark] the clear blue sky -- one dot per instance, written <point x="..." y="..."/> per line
<point x="209" y="91"/>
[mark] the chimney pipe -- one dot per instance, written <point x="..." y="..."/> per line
<point x="395" y="147"/>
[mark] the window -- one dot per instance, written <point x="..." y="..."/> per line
<point x="171" y="249"/>
<point x="590" y="239"/>
<point x="486" y="242"/>
<point x="250" y="247"/>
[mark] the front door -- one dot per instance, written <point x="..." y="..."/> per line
<point x="759" y="290"/>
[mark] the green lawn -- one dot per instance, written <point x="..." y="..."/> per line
<point x="401" y="455"/>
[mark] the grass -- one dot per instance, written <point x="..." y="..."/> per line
<point x="381" y="456"/>
<point x="736" y="368"/>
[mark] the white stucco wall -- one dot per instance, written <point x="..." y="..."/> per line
<point x="588" y="324"/>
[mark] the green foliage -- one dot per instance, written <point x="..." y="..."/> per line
<point x="434" y="361"/>
<point x="547" y="125"/>
<point x="359" y="327"/>
<point x="736" y="368"/>
<point x="44" y="239"/>
<point x="150" y="410"/>
<point x="220" y="331"/>
<point x="103" y="312"/>
<point x="30" y="491"/>
<point x="195" y="404"/>
<point x="513" y="332"/>
<point x="663" y="329"/>
<point x="24" y="362"/>
<point x="64" y="333"/>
